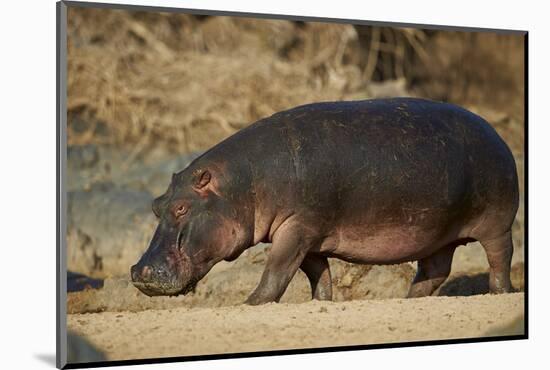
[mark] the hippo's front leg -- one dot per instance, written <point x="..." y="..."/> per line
<point x="290" y="245"/>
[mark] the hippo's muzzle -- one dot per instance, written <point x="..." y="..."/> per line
<point x="163" y="274"/>
<point x="153" y="280"/>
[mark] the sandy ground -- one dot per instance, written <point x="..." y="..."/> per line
<point x="131" y="335"/>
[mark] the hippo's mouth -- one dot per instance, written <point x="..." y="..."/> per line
<point x="172" y="290"/>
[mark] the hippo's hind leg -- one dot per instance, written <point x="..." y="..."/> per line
<point x="499" y="255"/>
<point x="432" y="272"/>
<point x="317" y="270"/>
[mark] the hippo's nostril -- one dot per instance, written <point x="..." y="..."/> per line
<point x="146" y="272"/>
<point x="141" y="274"/>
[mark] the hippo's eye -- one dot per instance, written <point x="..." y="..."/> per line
<point x="180" y="210"/>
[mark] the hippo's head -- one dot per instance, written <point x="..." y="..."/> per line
<point x="198" y="227"/>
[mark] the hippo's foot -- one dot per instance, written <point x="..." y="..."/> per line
<point x="432" y="272"/>
<point x="256" y="299"/>
<point x="499" y="255"/>
<point x="317" y="270"/>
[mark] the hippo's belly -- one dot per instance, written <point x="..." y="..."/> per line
<point x="387" y="244"/>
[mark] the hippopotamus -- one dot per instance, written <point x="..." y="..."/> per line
<point x="381" y="181"/>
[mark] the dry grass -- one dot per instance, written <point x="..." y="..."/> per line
<point x="147" y="77"/>
<point x="185" y="83"/>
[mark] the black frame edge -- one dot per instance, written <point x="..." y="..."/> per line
<point x="526" y="182"/>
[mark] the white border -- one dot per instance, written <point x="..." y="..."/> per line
<point x="28" y="181"/>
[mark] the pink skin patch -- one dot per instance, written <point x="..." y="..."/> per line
<point x="383" y="246"/>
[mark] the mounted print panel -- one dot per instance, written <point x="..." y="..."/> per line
<point x="242" y="185"/>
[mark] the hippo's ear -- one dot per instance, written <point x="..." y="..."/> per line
<point x="202" y="178"/>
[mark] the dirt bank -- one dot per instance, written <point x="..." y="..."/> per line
<point x="182" y="331"/>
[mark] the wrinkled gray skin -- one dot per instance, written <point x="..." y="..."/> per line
<point x="376" y="182"/>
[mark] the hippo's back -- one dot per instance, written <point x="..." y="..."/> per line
<point x="369" y="160"/>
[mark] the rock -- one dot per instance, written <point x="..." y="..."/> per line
<point x="77" y="282"/>
<point x="108" y="230"/>
<point x="346" y="281"/>
<point x="82" y="156"/>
